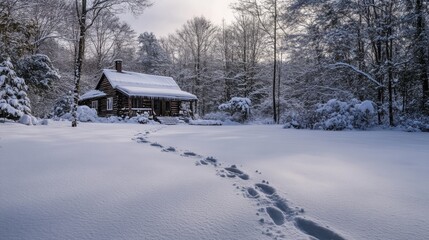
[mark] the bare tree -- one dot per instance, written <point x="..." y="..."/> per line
<point x="268" y="13"/>
<point x="198" y="36"/>
<point x="87" y="15"/>
<point x="107" y="38"/>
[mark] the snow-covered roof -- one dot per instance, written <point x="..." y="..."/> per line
<point x="92" y="94"/>
<point x="139" y="84"/>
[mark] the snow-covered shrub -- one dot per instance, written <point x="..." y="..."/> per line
<point x="62" y="106"/>
<point x="27" y="119"/>
<point x="142" y="119"/>
<point x="365" y="114"/>
<point x="295" y="115"/>
<point x="14" y="102"/>
<point x="84" y="114"/>
<point x="294" y="119"/>
<point x="415" y="124"/>
<point x="338" y="115"/>
<point x="238" y="108"/>
<point x="113" y="119"/>
<point x="44" y="122"/>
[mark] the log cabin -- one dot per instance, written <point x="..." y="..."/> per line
<point x="123" y="93"/>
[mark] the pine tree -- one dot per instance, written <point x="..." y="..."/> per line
<point x="14" y="102"/>
<point x="152" y="57"/>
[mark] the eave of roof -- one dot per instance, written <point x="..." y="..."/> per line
<point x="172" y="94"/>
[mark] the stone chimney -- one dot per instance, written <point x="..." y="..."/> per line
<point x="118" y="65"/>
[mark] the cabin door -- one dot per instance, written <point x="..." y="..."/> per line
<point x="157" y="107"/>
<point x="162" y="108"/>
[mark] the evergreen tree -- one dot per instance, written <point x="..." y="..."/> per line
<point x="152" y="57"/>
<point x="38" y="71"/>
<point x="14" y="102"/>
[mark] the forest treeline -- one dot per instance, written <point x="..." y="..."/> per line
<point x="287" y="57"/>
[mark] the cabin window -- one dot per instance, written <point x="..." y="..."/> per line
<point x="94" y="104"/>
<point x="110" y="103"/>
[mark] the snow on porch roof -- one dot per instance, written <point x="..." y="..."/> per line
<point x="139" y="84"/>
<point x="92" y="94"/>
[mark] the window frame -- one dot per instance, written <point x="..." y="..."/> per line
<point x="94" y="104"/>
<point x="109" y="103"/>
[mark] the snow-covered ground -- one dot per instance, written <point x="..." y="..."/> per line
<point x="131" y="181"/>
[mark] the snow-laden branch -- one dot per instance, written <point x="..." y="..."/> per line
<point x="341" y="64"/>
<point x="53" y="36"/>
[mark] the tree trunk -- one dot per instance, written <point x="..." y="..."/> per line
<point x="278" y="87"/>
<point x="79" y="60"/>
<point x="389" y="59"/>
<point x="275" y="63"/>
<point x="421" y="54"/>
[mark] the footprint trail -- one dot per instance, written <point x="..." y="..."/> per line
<point x="270" y="205"/>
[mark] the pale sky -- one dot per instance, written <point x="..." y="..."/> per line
<point x="166" y="16"/>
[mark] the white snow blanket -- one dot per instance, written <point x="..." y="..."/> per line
<point x="132" y="181"/>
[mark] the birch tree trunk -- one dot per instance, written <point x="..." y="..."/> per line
<point x="79" y="59"/>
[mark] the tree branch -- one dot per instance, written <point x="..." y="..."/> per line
<point x="355" y="69"/>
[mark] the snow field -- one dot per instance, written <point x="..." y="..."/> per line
<point x="94" y="182"/>
<point x="361" y="184"/>
<point x="211" y="182"/>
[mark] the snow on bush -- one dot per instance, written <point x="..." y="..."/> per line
<point x="238" y="108"/>
<point x="14" y="102"/>
<point x="419" y="124"/>
<point x="84" y="114"/>
<point x="27" y="119"/>
<point x="294" y="119"/>
<point x="338" y="115"/>
<point x="142" y="119"/>
<point x="44" y="122"/>
<point x="62" y="106"/>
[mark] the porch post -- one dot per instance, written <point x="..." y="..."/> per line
<point x="152" y="106"/>
<point x="129" y="106"/>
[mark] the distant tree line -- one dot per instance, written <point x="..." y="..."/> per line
<point x="285" y="56"/>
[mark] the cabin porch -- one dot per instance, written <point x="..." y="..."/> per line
<point x="134" y="105"/>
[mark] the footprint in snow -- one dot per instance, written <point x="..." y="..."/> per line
<point x="234" y="171"/>
<point x="284" y="207"/>
<point x="268" y="190"/>
<point x="141" y="140"/>
<point x="169" y="149"/>
<point x="278" y="209"/>
<point x="209" y="160"/>
<point x="252" y="193"/>
<point x="276" y="215"/>
<point x="189" y="154"/>
<point x="315" y="230"/>
<point x="156" y="145"/>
